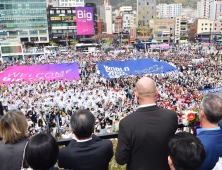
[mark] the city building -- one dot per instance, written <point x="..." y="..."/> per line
<point x="129" y="18"/>
<point x="204" y="30"/>
<point x="146" y="10"/>
<point x="24" y="20"/>
<point x="169" y="10"/>
<point x="192" y="35"/>
<point x="204" y="25"/>
<point x="163" y="30"/>
<point x="215" y="9"/>
<point x="181" y="29"/>
<point x="105" y="13"/>
<point x="118" y="24"/>
<point x="63" y="25"/>
<point x="203" y="9"/>
<point x="217" y="26"/>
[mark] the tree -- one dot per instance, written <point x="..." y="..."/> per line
<point x="107" y="40"/>
<point x="73" y="43"/>
<point x="52" y="43"/>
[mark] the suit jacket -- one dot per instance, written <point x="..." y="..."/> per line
<point x="91" y="155"/>
<point x="143" y="138"/>
<point x="212" y="141"/>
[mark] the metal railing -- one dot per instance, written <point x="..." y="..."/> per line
<point x="102" y="136"/>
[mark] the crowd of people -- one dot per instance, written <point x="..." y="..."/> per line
<point x="145" y="109"/>
<point x="110" y="100"/>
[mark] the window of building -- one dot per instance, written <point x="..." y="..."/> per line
<point x="51" y="11"/>
<point x="33" y="39"/>
<point x="57" y="11"/>
<point x="43" y="38"/>
<point x="147" y="3"/>
<point x="215" y="29"/>
<point x="73" y="11"/>
<point x="63" y="11"/>
<point x="205" y="28"/>
<point x="202" y="29"/>
<point x="24" y="39"/>
<point x="69" y="11"/>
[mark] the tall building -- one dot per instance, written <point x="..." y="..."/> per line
<point x="24" y="20"/>
<point x="181" y="29"/>
<point x="203" y="9"/>
<point x="69" y="24"/>
<point x="215" y="9"/>
<point x="105" y="13"/>
<point x="169" y="10"/>
<point x="146" y="10"/>
<point x="118" y="24"/>
<point x="199" y="9"/>
<point x="129" y="17"/>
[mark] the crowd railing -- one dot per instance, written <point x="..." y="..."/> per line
<point x="103" y="136"/>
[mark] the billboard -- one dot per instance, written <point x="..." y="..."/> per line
<point x="11" y="49"/>
<point x="56" y="18"/>
<point x="84" y="21"/>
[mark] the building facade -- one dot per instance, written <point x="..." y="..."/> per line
<point x="105" y="13"/>
<point x="62" y="25"/>
<point x="146" y="10"/>
<point x="163" y="30"/>
<point x="204" y="25"/>
<point x="193" y="31"/>
<point x="26" y="21"/>
<point x="169" y="10"/>
<point x="217" y="26"/>
<point x="203" y="9"/>
<point x="118" y="24"/>
<point x="129" y="17"/>
<point x="215" y="9"/>
<point x="181" y="29"/>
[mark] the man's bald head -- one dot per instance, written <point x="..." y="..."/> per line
<point x="146" y="88"/>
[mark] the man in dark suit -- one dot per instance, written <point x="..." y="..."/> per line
<point x="144" y="135"/>
<point x="85" y="151"/>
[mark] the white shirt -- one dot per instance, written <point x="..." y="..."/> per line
<point x="82" y="140"/>
<point x="147" y="105"/>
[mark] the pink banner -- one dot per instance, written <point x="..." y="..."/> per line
<point x="40" y="72"/>
<point x="84" y="21"/>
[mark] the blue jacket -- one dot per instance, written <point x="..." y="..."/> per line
<point x="212" y="141"/>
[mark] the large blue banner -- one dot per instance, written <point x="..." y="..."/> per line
<point x="215" y="90"/>
<point x="115" y="69"/>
